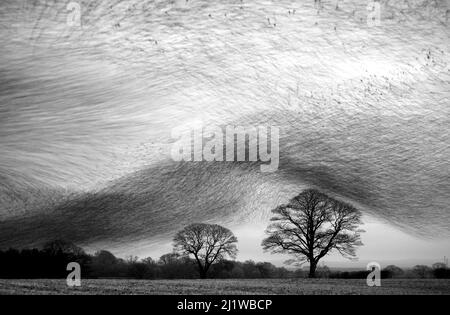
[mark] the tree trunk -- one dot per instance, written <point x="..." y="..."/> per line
<point x="312" y="269"/>
<point x="201" y="269"/>
<point x="205" y="271"/>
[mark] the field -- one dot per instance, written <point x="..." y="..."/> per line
<point x="248" y="286"/>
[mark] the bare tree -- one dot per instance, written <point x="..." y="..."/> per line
<point x="208" y="243"/>
<point x="61" y="246"/>
<point x="311" y="225"/>
<point x="169" y="258"/>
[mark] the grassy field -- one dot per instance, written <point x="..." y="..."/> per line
<point x="251" y="286"/>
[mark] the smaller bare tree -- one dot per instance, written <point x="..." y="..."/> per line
<point x="311" y="225"/>
<point x="208" y="243"/>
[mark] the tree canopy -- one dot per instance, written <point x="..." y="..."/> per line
<point x="207" y="243"/>
<point x="312" y="225"/>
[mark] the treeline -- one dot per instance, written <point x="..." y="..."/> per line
<point x="437" y="271"/>
<point x="51" y="261"/>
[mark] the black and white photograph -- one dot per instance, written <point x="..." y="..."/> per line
<point x="245" y="149"/>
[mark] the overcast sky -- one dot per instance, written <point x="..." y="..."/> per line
<point x="87" y="117"/>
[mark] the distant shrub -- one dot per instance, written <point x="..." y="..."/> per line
<point x="359" y="274"/>
<point x="392" y="271"/>
<point x="422" y="271"/>
<point x="441" y="273"/>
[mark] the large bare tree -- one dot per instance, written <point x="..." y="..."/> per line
<point x="207" y="243"/>
<point x="312" y="225"/>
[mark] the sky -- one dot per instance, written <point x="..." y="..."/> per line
<point x="87" y="114"/>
